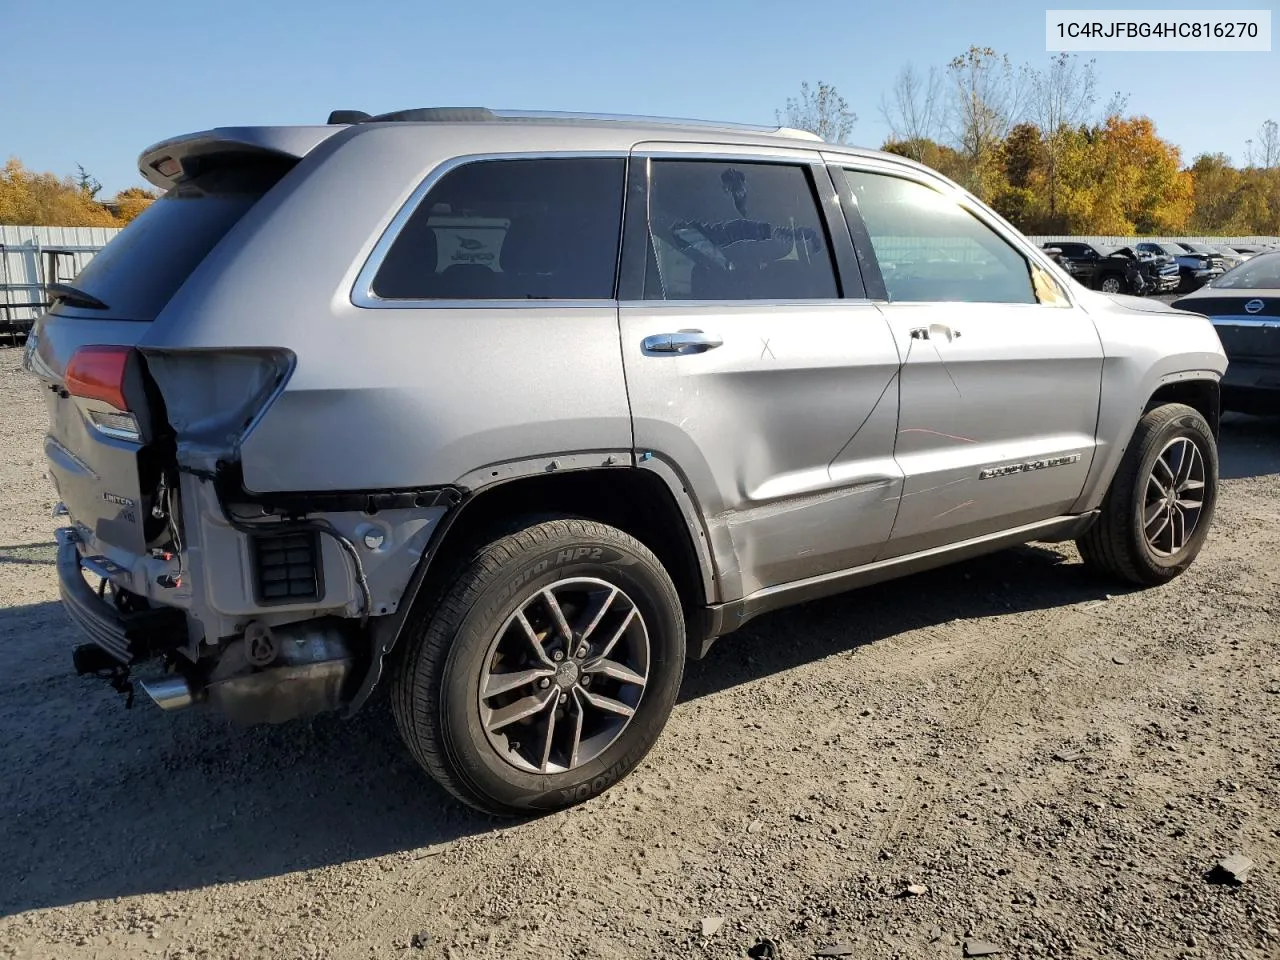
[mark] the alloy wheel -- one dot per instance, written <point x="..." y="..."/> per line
<point x="564" y="675"/>
<point x="1174" y="497"/>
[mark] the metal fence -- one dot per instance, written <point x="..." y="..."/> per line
<point x="1113" y="241"/>
<point x="31" y="258"/>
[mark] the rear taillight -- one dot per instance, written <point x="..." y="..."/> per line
<point x="97" y="374"/>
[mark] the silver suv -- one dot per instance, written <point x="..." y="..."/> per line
<point x="520" y="411"/>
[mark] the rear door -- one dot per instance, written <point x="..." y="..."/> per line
<point x="755" y="364"/>
<point x="1002" y="372"/>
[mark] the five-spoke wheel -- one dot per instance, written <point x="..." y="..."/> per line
<point x="545" y="671"/>
<point x="1174" y="497"/>
<point x="564" y="675"/>
<point x="1157" y="511"/>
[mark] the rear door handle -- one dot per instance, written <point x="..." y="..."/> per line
<point x="685" y="341"/>
<point x="939" y="330"/>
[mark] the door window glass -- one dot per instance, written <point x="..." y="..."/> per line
<point x="736" y="231"/>
<point x="931" y="249"/>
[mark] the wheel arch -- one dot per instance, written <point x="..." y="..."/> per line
<point x="1202" y="395"/>
<point x="638" y="501"/>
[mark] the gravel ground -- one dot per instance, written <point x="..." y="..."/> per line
<point x="1051" y="763"/>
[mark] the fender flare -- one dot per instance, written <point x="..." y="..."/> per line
<point x="385" y="631"/>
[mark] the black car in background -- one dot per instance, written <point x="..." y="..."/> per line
<point x="1244" y="305"/>
<point x="1196" y="269"/>
<point x="1116" y="270"/>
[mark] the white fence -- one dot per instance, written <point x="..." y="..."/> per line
<point x="31" y="257"/>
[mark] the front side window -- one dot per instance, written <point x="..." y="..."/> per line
<point x="736" y="231"/>
<point x="527" y="229"/>
<point x="931" y="249"/>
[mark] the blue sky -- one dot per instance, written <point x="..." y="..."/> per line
<point x="95" y="87"/>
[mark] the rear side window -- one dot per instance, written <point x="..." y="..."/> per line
<point x="141" y="269"/>
<point x="931" y="249"/>
<point x="736" y="231"/>
<point x="537" y="229"/>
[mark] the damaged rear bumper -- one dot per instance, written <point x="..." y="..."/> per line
<point x="126" y="636"/>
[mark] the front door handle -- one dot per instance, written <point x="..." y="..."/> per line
<point x="685" y="341"/>
<point x="939" y="330"/>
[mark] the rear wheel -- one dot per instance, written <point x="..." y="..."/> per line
<point x="1157" y="512"/>
<point x="546" y="671"/>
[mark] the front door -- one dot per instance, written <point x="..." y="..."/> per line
<point x="755" y="366"/>
<point x="1001" y="375"/>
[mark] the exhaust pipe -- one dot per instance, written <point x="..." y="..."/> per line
<point x="169" y="693"/>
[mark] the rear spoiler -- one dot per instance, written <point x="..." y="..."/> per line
<point x="163" y="163"/>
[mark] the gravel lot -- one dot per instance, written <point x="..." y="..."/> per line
<point x="1052" y="763"/>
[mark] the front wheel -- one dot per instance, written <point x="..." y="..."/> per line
<point x="1111" y="284"/>
<point x="1157" y="512"/>
<point x="546" y="671"/>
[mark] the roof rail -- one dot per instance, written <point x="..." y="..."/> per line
<point x="477" y="114"/>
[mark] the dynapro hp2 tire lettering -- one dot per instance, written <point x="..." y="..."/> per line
<point x="546" y="669"/>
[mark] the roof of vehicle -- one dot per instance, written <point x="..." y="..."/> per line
<point x="162" y="162"/>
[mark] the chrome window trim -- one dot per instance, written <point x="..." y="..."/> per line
<point x="957" y="195"/>
<point x="731" y="304"/>
<point x="362" y="294"/>
<point x="727" y="152"/>
<point x="1232" y="320"/>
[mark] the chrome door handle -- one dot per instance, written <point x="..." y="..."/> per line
<point x="692" y="341"/>
<point x="940" y="330"/>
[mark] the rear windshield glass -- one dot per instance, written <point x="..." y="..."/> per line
<point x="143" y="266"/>
<point x="1257" y="273"/>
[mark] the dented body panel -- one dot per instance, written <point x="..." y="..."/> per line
<point x="784" y="432"/>
<point x="991" y="385"/>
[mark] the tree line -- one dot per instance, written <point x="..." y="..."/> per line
<point x="28" y="198"/>
<point x="1037" y="143"/>
<point x="1043" y="148"/>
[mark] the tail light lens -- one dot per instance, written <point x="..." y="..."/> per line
<point x="96" y="375"/>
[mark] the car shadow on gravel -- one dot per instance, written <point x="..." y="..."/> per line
<point x="28" y="554"/>
<point x="1031" y="577"/>
<point x="1248" y="446"/>
<point x="101" y="802"/>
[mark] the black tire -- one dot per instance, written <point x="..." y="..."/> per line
<point x="436" y="680"/>
<point x="1121" y="286"/>
<point x="1116" y="544"/>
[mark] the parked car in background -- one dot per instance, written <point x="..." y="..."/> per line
<point x="1251" y="249"/>
<point x="1147" y="273"/>
<point x="1232" y="258"/>
<point x="1195" y="269"/>
<point x="1244" y="305"/>
<point x="1229" y="257"/>
<point x="1118" y="270"/>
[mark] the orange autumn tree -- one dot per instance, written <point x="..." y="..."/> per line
<point x="28" y="198"/>
<point x="131" y="202"/>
